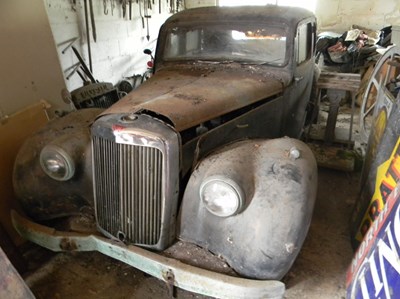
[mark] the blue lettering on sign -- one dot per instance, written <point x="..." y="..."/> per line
<point x="375" y="271"/>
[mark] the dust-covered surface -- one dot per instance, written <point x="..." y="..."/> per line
<point x="318" y="272"/>
<point x="194" y="255"/>
<point x="320" y="269"/>
<point x="92" y="275"/>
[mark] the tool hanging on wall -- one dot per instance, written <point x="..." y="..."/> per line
<point x="74" y="68"/>
<point x="112" y="3"/>
<point x="159" y="6"/>
<point x="105" y="7"/>
<point x="81" y="76"/>
<point x="174" y="5"/>
<point x="87" y="34"/>
<point x="92" y="20"/>
<point x="123" y="4"/>
<point x="141" y="15"/>
<point x="73" y="6"/>
<point x="130" y="9"/>
<point x="147" y="16"/>
<point x="70" y="43"/>
<point x="83" y="66"/>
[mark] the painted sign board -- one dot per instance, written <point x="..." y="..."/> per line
<point x="381" y="170"/>
<point x="375" y="269"/>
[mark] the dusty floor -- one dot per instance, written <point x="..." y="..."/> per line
<point x="319" y="271"/>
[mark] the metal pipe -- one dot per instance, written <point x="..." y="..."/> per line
<point x="92" y="20"/>
<point x="84" y="66"/>
<point x="70" y="43"/>
<point x="87" y="35"/>
<point x="75" y="68"/>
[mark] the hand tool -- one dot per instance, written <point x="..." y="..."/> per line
<point x="147" y="16"/>
<point x="123" y="3"/>
<point x="92" y="20"/>
<point x="141" y="15"/>
<point x="87" y="34"/>
<point x="83" y="65"/>
<point x="105" y="7"/>
<point x="112" y="3"/>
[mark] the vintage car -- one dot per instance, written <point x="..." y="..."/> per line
<point x="205" y="152"/>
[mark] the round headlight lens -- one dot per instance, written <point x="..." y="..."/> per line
<point x="57" y="163"/>
<point x="221" y="196"/>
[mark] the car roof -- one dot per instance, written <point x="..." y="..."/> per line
<point x="273" y="13"/>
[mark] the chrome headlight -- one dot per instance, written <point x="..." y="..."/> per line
<point x="221" y="196"/>
<point x="57" y="163"/>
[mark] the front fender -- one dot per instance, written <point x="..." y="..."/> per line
<point x="42" y="197"/>
<point x="263" y="240"/>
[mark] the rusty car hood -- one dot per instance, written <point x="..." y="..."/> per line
<point x="191" y="96"/>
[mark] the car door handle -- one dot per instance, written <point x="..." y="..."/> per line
<point x="298" y="79"/>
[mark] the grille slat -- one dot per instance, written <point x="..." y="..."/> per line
<point x="128" y="190"/>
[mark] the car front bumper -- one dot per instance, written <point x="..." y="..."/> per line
<point x="171" y="271"/>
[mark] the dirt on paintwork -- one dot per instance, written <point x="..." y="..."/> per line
<point x="318" y="272"/>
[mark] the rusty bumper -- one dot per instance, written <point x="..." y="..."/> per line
<point x="166" y="269"/>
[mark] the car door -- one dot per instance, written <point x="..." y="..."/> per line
<point x="298" y="93"/>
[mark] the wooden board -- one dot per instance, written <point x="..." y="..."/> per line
<point x="364" y="84"/>
<point x="340" y="81"/>
<point x="13" y="131"/>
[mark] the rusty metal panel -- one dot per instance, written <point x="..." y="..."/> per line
<point x="191" y="97"/>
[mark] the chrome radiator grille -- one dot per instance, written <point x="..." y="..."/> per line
<point x="129" y="190"/>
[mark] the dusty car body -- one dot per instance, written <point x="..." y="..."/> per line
<point x="204" y="152"/>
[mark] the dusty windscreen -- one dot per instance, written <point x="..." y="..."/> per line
<point x="215" y="42"/>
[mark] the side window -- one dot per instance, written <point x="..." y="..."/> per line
<point x="304" y="42"/>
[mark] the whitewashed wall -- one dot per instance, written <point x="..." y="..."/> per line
<point x="118" y="50"/>
<point x="339" y="15"/>
<point x="200" y="3"/>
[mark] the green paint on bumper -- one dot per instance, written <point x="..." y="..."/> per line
<point x="171" y="271"/>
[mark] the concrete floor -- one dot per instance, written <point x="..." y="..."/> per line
<point x="318" y="272"/>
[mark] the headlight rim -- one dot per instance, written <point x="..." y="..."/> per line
<point x="67" y="159"/>
<point x="232" y="184"/>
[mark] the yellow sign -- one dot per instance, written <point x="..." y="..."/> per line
<point x="388" y="174"/>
